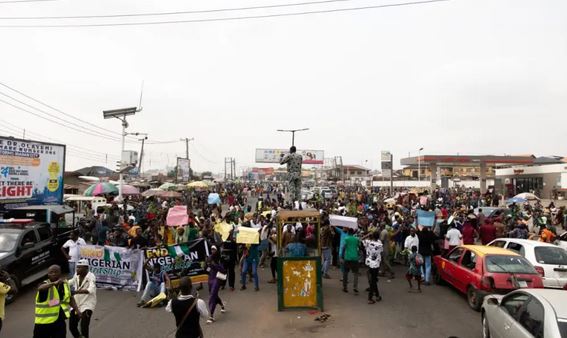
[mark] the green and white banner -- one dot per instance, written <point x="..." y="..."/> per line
<point x="115" y="267"/>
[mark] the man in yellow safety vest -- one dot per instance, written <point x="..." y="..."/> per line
<point x="52" y="306"/>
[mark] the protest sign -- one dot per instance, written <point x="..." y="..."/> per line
<point x="344" y="221"/>
<point x="187" y="259"/>
<point x="114" y="266"/>
<point x="425" y="218"/>
<point x="247" y="236"/>
<point x="177" y="216"/>
<point x="223" y="229"/>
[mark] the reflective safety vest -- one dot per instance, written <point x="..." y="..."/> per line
<point x="47" y="312"/>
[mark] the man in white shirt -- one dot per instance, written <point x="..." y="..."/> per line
<point x="412" y="240"/>
<point x="454" y="237"/>
<point x="71" y="250"/>
<point x="83" y="286"/>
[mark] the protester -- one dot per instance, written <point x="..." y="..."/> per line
<point x="250" y="261"/>
<point x="83" y="289"/>
<point x="385" y="262"/>
<point x="326" y="248"/>
<point x="273" y="254"/>
<point x="216" y="276"/>
<point x="414" y="270"/>
<point x="487" y="232"/>
<point x="71" y="250"/>
<point x="374" y="250"/>
<point x="157" y="282"/>
<point x="296" y="248"/>
<point x="4" y="289"/>
<point x="350" y="257"/>
<point x="294" y="162"/>
<point x="228" y="255"/>
<point x="187" y="309"/>
<point x="426" y="248"/>
<point x="453" y="237"/>
<point x="53" y="304"/>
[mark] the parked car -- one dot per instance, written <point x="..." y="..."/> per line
<point x="562" y="240"/>
<point x="549" y="260"/>
<point x="327" y="193"/>
<point x="525" y="313"/>
<point x="478" y="271"/>
<point x="27" y="249"/>
<point x="306" y="195"/>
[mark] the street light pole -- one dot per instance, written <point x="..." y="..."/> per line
<point x="419" y="165"/>
<point x="292" y="131"/>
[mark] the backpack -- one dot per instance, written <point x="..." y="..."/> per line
<point x="419" y="260"/>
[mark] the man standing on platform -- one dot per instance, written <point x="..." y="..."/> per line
<point x="293" y="161"/>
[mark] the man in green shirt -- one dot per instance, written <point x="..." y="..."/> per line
<point x="350" y="257"/>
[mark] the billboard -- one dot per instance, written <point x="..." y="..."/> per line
<point x="274" y="155"/>
<point x="31" y="173"/>
<point x="386" y="164"/>
<point x="183" y="174"/>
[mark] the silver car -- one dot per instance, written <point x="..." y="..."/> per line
<point x="539" y="313"/>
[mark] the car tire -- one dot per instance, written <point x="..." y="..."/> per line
<point x="437" y="277"/>
<point x="485" y="328"/>
<point x="14" y="289"/>
<point x="474" y="298"/>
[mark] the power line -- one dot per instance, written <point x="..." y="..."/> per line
<point x="59" y="118"/>
<point x="235" y="18"/>
<point x="55" y="109"/>
<point x="18" y="1"/>
<point x="172" y="13"/>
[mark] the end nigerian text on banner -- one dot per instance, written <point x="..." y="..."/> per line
<point x="186" y="259"/>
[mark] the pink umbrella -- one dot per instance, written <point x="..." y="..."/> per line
<point x="129" y="190"/>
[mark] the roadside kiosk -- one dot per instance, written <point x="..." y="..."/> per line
<point x="299" y="278"/>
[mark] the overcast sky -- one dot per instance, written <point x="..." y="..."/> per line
<point x="462" y="76"/>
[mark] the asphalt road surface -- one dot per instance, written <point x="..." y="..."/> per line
<point x="438" y="312"/>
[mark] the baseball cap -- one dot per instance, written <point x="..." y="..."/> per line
<point x="83" y="262"/>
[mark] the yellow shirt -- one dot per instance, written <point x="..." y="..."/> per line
<point x="4" y="289"/>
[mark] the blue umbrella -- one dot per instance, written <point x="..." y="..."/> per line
<point x="214" y="198"/>
<point x="516" y="200"/>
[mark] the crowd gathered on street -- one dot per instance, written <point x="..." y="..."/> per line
<point x="386" y="234"/>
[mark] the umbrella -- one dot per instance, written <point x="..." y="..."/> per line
<point x="129" y="190"/>
<point x="152" y="192"/>
<point x="168" y="186"/>
<point x="527" y="196"/>
<point x="169" y="194"/>
<point x="198" y="184"/>
<point x="214" y="198"/>
<point x="102" y="188"/>
<point x="516" y="200"/>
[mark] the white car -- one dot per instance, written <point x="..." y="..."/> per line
<point x="327" y="194"/>
<point x="306" y="195"/>
<point x="549" y="260"/>
<point x="525" y="313"/>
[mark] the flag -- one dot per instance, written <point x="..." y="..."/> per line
<point x="178" y="250"/>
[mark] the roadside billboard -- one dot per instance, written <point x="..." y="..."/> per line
<point x="274" y="155"/>
<point x="183" y="174"/>
<point x="31" y="173"/>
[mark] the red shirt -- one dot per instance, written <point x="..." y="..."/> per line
<point x="468" y="234"/>
<point x="487" y="233"/>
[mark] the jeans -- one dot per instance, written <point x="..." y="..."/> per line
<point x="326" y="260"/>
<point x="350" y="266"/>
<point x="426" y="269"/>
<point x="245" y="266"/>
<point x="152" y="290"/>
<point x="214" y="298"/>
<point x="85" y="321"/>
<point x="72" y="268"/>
<point x="373" y="283"/>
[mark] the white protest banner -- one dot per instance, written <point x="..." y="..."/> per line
<point x="344" y="221"/>
<point x="115" y="266"/>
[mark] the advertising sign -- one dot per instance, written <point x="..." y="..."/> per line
<point x="187" y="259"/>
<point x="31" y="173"/>
<point x="114" y="266"/>
<point x="299" y="283"/>
<point x="183" y="174"/>
<point x="386" y="164"/>
<point x="274" y="155"/>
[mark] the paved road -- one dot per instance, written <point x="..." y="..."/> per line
<point x="438" y="312"/>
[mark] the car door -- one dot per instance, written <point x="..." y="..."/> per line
<point x="449" y="265"/>
<point x="530" y="320"/>
<point x="466" y="272"/>
<point x="25" y="253"/>
<point x="45" y="252"/>
<point x="505" y="317"/>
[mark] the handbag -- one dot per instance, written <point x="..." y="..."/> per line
<point x="221" y="276"/>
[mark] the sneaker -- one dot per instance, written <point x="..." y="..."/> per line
<point x="355" y="291"/>
<point x="273" y="281"/>
<point x="370" y="301"/>
<point x="210" y="320"/>
<point x="378" y="299"/>
<point x="243" y="287"/>
<point x="345" y="290"/>
<point x="231" y="289"/>
<point x="256" y="289"/>
<point x="223" y="310"/>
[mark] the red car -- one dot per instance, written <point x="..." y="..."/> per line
<point x="481" y="270"/>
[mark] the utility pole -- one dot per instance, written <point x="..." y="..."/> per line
<point x="292" y="131"/>
<point x="141" y="155"/>
<point x="187" y="140"/>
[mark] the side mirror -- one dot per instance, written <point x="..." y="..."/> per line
<point x="493" y="301"/>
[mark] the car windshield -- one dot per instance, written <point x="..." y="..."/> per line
<point x="562" y="327"/>
<point x="551" y="255"/>
<point x="8" y="241"/>
<point x="510" y="264"/>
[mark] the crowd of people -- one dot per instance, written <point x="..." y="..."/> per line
<point x="386" y="234"/>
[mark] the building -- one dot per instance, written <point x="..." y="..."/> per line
<point x="439" y="169"/>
